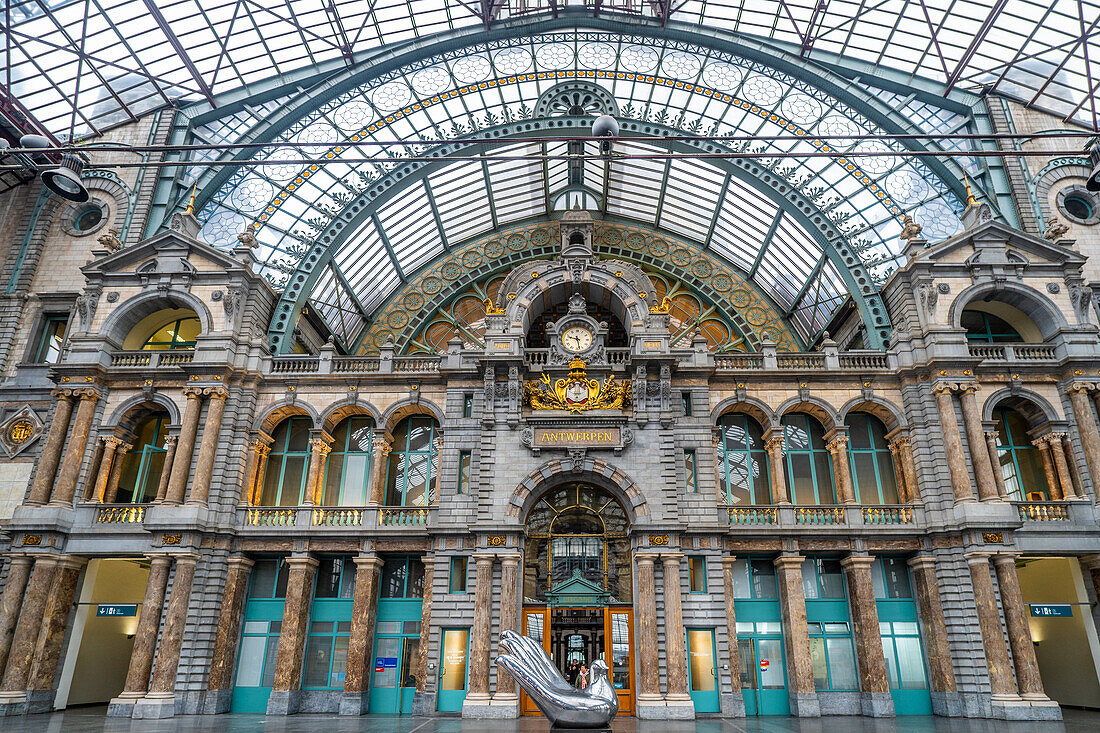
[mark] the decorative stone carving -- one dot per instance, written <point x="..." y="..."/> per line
<point x="909" y="228"/>
<point x="1081" y="297"/>
<point x="1054" y="288"/>
<point x="928" y="295"/>
<point x="20" y="431"/>
<point x="1056" y="230"/>
<point x="86" y="305"/>
<point x="110" y="240"/>
<point x="576" y="458"/>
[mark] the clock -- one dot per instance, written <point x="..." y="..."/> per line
<point x="577" y="339"/>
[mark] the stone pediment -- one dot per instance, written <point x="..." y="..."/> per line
<point x="165" y="253"/>
<point x="577" y="591"/>
<point x="994" y="242"/>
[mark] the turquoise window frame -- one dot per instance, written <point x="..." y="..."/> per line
<point x="137" y="494"/>
<point x="1013" y="450"/>
<point x="465" y="460"/>
<point x="47" y="335"/>
<point x="282" y="453"/>
<point x="881" y="457"/>
<point x="759" y="486"/>
<point x="468" y="404"/>
<point x="812" y="453"/>
<point x="336" y="611"/>
<point x="691" y="474"/>
<point x="826" y="636"/>
<point x="432" y="455"/>
<point x="989" y="335"/>
<point x="408" y="560"/>
<point x="464" y="574"/>
<point x="344" y="452"/>
<point x="693" y="560"/>
<point x="175" y="344"/>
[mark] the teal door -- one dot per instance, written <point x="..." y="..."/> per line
<point x="905" y="666"/>
<point x="396" y="643"/>
<point x="703" y="670"/>
<point x="763" y="667"/>
<point x="453" y="670"/>
<point x="263" y="621"/>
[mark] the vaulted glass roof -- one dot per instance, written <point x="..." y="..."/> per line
<point x="84" y="65"/>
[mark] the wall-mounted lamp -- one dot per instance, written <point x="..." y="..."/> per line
<point x="64" y="180"/>
<point x="1093" y="182"/>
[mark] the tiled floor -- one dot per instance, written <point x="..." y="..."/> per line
<point x="92" y="720"/>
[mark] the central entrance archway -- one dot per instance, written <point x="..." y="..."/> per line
<point x="578" y="586"/>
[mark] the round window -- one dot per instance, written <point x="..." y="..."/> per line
<point x="1079" y="205"/>
<point x="88" y="219"/>
<point x="85" y="219"/>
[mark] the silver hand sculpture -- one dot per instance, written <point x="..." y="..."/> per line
<point x="564" y="705"/>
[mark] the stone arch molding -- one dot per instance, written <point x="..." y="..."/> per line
<point x="561" y="470"/>
<point x="156" y="398"/>
<point x="1047" y="316"/>
<point x="886" y="411"/>
<point x="756" y="409"/>
<point x="401" y="409"/>
<point x="1039" y="404"/>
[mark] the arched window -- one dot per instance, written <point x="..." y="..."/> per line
<point x="1021" y="464"/>
<point x="412" y="470"/>
<point x="807" y="464"/>
<point x="288" y="464"/>
<point x="987" y="328"/>
<point x="347" y="477"/>
<point x="742" y="461"/>
<point x="872" y="464"/>
<point x="143" y="465"/>
<point x="180" y="333"/>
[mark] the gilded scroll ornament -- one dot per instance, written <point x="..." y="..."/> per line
<point x="576" y="393"/>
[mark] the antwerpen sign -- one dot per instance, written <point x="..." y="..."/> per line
<point x="601" y="437"/>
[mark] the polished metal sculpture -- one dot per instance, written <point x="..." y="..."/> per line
<point x="564" y="706"/>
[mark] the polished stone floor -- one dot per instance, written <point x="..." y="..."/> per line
<point x="92" y="720"/>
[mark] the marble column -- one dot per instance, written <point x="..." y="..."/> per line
<point x="952" y="440"/>
<point x="796" y="637"/>
<point x="899" y="471"/>
<point x="364" y="612"/>
<point x="509" y="621"/>
<point x="11" y="600"/>
<point x="51" y="450"/>
<point x="729" y="562"/>
<point x="65" y="487"/>
<point x="111" y="444"/>
<point x="1086" y="428"/>
<point x="111" y="494"/>
<point x="160" y="702"/>
<point x="1058" y="442"/>
<point x="979" y="449"/>
<point x="989" y="620"/>
<point x="873" y="682"/>
<point x="220" y="677"/>
<point x="13" y="687"/>
<point x="1043" y="446"/>
<point x="55" y="619"/>
<point x="479" y="636"/>
<point x="185" y="447"/>
<point x="995" y="459"/>
<point x="260" y="448"/>
<point x="423" y="659"/>
<point x="645" y="618"/>
<point x="320" y="444"/>
<point x="837" y="446"/>
<point x="286" y="688"/>
<point x="909" y="469"/>
<point x="208" y="448"/>
<point x="145" y="639"/>
<point x="93" y="470"/>
<point x="773" y="444"/>
<point x="166" y="469"/>
<point x="379" y="462"/>
<point x="937" y="647"/>
<point x="1028" y="680"/>
<point x="675" y="652"/>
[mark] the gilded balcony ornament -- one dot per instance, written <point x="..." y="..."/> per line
<point x="491" y="309"/>
<point x="576" y="393"/>
<point x="663" y="307"/>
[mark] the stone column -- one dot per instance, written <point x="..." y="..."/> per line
<point x="1019" y="634"/>
<point x="145" y="639"/>
<point x="979" y="451"/>
<point x="649" y="691"/>
<point x="185" y="447"/>
<point x="720" y="487"/>
<point x="1043" y="445"/>
<point x="110" y="446"/>
<point x="995" y="459"/>
<point x="51" y="450"/>
<point x="908" y="468"/>
<point x="320" y="444"/>
<point x="204" y="468"/>
<point x="364" y="612"/>
<point x="996" y="653"/>
<point x="286" y="688"/>
<point x="937" y="647"/>
<point x="161" y="700"/>
<point x="19" y="570"/>
<point x="65" y="487"/>
<point x="796" y="637"/>
<point x="734" y="659"/>
<point x="509" y="621"/>
<point x="956" y="461"/>
<point x="116" y="474"/>
<point x="93" y="470"/>
<point x="166" y="470"/>
<point x="899" y="470"/>
<point x="55" y="619"/>
<point x="675" y="651"/>
<point x="13" y="687"/>
<point x="254" y="487"/>
<point x="1058" y="444"/>
<point x="1086" y="428"/>
<point x="478" y="693"/>
<point x="773" y="444"/>
<point x="422" y="656"/>
<point x="873" y="682"/>
<point x="837" y="446"/>
<point x="220" y="677"/>
<point x="382" y="446"/>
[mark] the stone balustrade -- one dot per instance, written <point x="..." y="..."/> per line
<point x="307" y="518"/>
<point x="849" y="516"/>
<point x="1013" y="352"/>
<point x="150" y="359"/>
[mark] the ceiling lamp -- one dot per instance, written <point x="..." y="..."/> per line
<point x="1093" y="182"/>
<point x="605" y="126"/>
<point x="64" y="180"/>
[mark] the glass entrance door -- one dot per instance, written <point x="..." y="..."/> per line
<point x="763" y="672"/>
<point x="452" y="670"/>
<point x="703" y="670"/>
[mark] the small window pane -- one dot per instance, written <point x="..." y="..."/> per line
<point x="741" y="579"/>
<point x="697" y="570"/>
<point x="896" y="574"/>
<point x="458" y="575"/>
<point x="842" y="664"/>
<point x="763" y="579"/>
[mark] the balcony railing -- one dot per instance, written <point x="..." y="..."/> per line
<point x="541" y="357"/>
<point x="120" y="514"/>
<point x="337" y="517"/>
<point x="295" y="364"/>
<point x="847" y="515"/>
<point x="819" y="515"/>
<point x="402" y="516"/>
<point x="735" y="362"/>
<point x="151" y="359"/>
<point x="313" y="517"/>
<point x="274" y="517"/>
<point x="752" y="515"/>
<point x="1043" y="511"/>
<point x="1013" y="352"/>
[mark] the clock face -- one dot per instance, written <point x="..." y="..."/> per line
<point x="576" y="339"/>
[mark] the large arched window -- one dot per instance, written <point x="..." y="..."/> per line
<point x="180" y="333"/>
<point x="578" y="527"/>
<point x="742" y="461"/>
<point x="412" y="470"/>
<point x="872" y="465"/>
<point x="143" y="465"/>
<point x="347" y="477"/>
<point x="807" y="463"/>
<point x="987" y="328"/>
<point x="1020" y="463"/>
<point x="288" y="464"/>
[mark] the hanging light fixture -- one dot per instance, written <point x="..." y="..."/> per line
<point x="64" y="180"/>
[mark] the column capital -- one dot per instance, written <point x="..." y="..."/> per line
<point x="857" y="560"/>
<point x="837" y="443"/>
<point x="170" y="440"/>
<point x="159" y="558"/>
<point x="1086" y="387"/>
<point x="1004" y="558"/>
<point x="966" y="388"/>
<point x="62" y="393"/>
<point x="320" y="446"/>
<point x="941" y="388"/>
<point x="243" y="562"/>
<point x="370" y="562"/>
<point x="783" y="561"/>
<point x="509" y="558"/>
<point x="898" y="442"/>
<point x="646" y="557"/>
<point x="1058" y="435"/>
<point x="773" y="438"/>
<point x="186" y="558"/>
<point x="86" y="393"/>
<point x="669" y="558"/>
<point x="72" y="562"/>
<point x="1092" y="562"/>
<point x="922" y="561"/>
<point x="113" y="443"/>
<point x="300" y="561"/>
<point x="192" y="393"/>
<point x="216" y="392"/>
<point x="729" y="559"/>
<point x="977" y="557"/>
<point x="484" y="558"/>
<point x="382" y="446"/>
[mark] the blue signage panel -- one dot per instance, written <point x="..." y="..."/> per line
<point x="383" y="662"/>
<point x="116" y="609"/>
<point x="1051" y="610"/>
